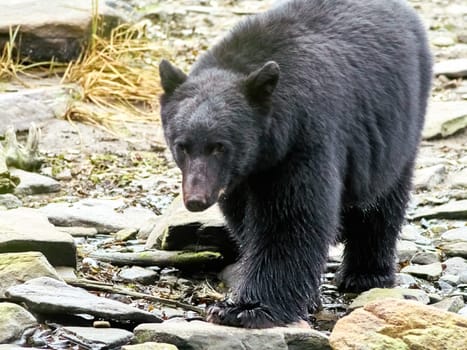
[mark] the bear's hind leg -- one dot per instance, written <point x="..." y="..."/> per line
<point x="370" y="237"/>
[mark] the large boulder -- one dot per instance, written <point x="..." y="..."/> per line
<point x="392" y="324"/>
<point x="56" y="30"/>
<point x="25" y="229"/>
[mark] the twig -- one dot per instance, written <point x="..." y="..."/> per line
<point x="93" y="285"/>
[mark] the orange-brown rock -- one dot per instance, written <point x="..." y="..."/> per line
<point x="392" y="324"/>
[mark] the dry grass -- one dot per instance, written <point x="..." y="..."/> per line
<point x="13" y="67"/>
<point x="119" y="76"/>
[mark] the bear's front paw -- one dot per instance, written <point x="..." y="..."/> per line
<point x="246" y="315"/>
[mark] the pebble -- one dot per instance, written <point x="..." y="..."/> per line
<point x="9" y="201"/>
<point x="452" y="304"/>
<point x="138" y="274"/>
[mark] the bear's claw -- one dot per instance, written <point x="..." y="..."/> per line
<point x="246" y="315"/>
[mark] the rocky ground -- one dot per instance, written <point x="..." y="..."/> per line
<point x="95" y="253"/>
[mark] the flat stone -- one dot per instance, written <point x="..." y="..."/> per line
<point x="425" y="258"/>
<point x="406" y="250"/>
<point x="97" y="338"/>
<point x="454" y="68"/>
<point x="203" y="336"/>
<point x="17" y="268"/>
<point x="106" y="215"/>
<point x="32" y="183"/>
<point x="150" y="346"/>
<point x="429" y="272"/>
<point x="410" y="233"/>
<point x="444" y="119"/>
<point x="443" y="41"/>
<point x="428" y="178"/>
<point x="452" y="210"/>
<point x="56" y="31"/>
<point x="25" y="229"/>
<point x="180" y="229"/>
<point x="454" y="248"/>
<point x="14" y="347"/>
<point x="457" y="234"/>
<point x="138" y="274"/>
<point x="458" y="179"/>
<point x="185" y="260"/>
<point x="455" y="266"/>
<point x="48" y="296"/>
<point x="376" y="294"/>
<point x="38" y="105"/>
<point x="393" y="324"/>
<point x="451" y="304"/>
<point x="78" y="231"/>
<point x="14" y="320"/>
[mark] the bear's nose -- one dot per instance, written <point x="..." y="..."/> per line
<point x="196" y="204"/>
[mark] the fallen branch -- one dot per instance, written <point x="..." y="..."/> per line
<point x="104" y="287"/>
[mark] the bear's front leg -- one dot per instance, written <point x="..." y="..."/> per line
<point x="279" y="272"/>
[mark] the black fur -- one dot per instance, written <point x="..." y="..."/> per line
<point x="303" y="123"/>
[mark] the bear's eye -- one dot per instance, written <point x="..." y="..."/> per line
<point x="217" y="148"/>
<point x="181" y="148"/>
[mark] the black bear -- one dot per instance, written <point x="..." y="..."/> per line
<point x="303" y="124"/>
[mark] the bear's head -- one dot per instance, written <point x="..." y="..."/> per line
<point x="214" y="123"/>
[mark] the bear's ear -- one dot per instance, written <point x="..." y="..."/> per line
<point x="171" y="76"/>
<point x="261" y="83"/>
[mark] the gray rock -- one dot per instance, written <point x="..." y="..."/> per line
<point x="106" y="215"/>
<point x="384" y="293"/>
<point x="197" y="335"/>
<point x="404" y="280"/>
<point x="149" y="346"/>
<point x="54" y="31"/>
<point x="38" y="105"/>
<point x="410" y="233"/>
<point x="78" y="231"/>
<point x="452" y="210"/>
<point x="17" y="268"/>
<point x="97" y="338"/>
<point x="454" y="68"/>
<point x="453" y="280"/>
<point x="444" y="119"/>
<point x="463" y="277"/>
<point x="146" y="228"/>
<point x="454" y="248"/>
<point x="48" y="296"/>
<point x="463" y="311"/>
<point x="428" y="178"/>
<point x="425" y="258"/>
<point x="452" y="304"/>
<point x="138" y="274"/>
<point x="455" y="266"/>
<point x="457" y="234"/>
<point x="179" y="229"/>
<point x="14" y="320"/>
<point x="32" y="183"/>
<point x="429" y="272"/>
<point x="9" y="201"/>
<point x="406" y="250"/>
<point x="14" y="347"/>
<point x="25" y="229"/>
<point x="458" y="179"/>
